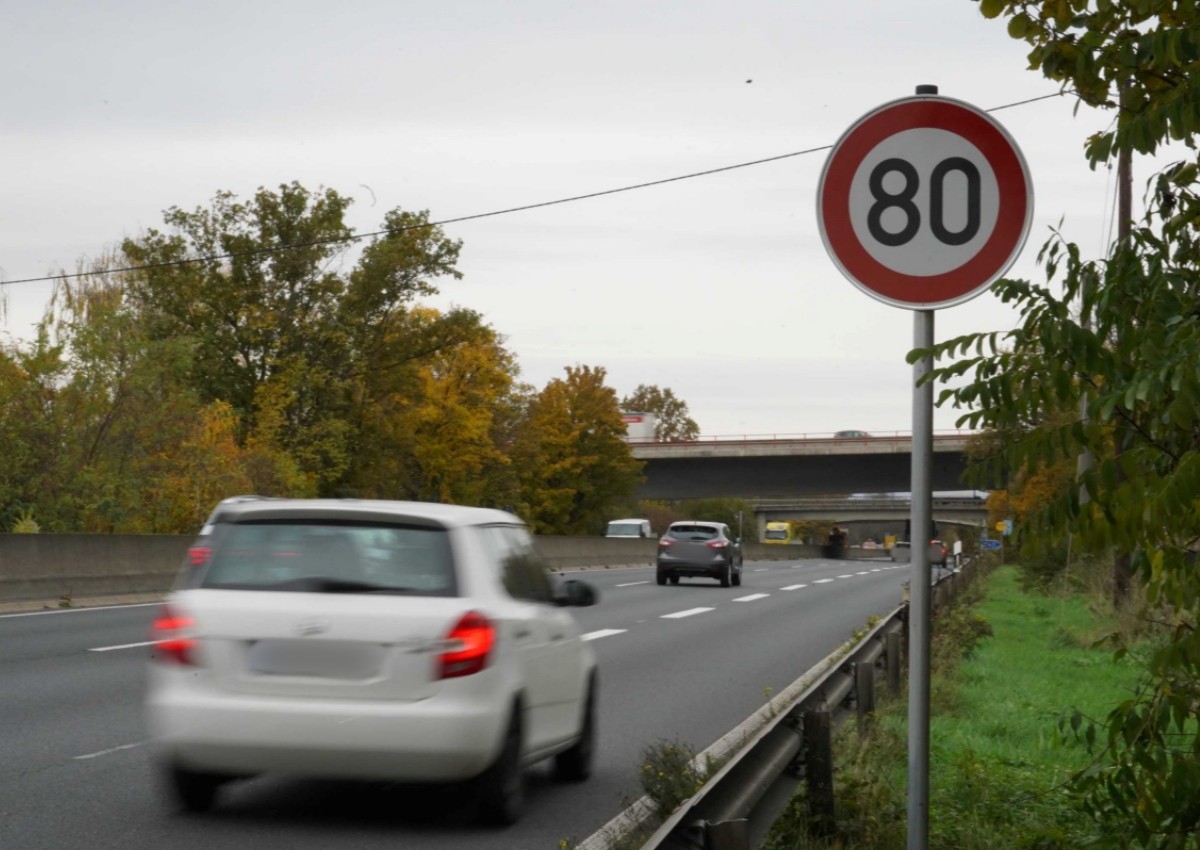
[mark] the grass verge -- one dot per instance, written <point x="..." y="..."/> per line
<point x="1006" y="665"/>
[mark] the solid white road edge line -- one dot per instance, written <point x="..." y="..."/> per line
<point x="77" y="610"/>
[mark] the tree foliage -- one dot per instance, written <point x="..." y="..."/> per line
<point x="572" y="459"/>
<point x="672" y="421"/>
<point x="230" y="363"/>
<point x="1123" y="335"/>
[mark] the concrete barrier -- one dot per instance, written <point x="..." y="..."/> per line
<point x="63" y="569"/>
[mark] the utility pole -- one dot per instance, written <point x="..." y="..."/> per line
<point x="1121" y="562"/>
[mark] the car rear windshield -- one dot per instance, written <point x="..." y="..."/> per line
<point x="693" y="532"/>
<point x="327" y="557"/>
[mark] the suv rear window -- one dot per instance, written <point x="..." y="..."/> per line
<point x="693" y="532"/>
<point x="330" y="557"/>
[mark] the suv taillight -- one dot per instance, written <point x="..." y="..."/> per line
<point x="469" y="645"/>
<point x="665" y="542"/>
<point x="716" y="544"/>
<point x="198" y="555"/>
<point x="172" y="643"/>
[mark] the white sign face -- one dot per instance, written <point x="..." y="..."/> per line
<point x="924" y="202"/>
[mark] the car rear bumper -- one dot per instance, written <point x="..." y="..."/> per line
<point x="431" y="740"/>
<point x="677" y="568"/>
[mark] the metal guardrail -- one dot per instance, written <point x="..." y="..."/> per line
<point x="786" y="742"/>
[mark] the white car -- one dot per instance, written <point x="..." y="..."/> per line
<point x="397" y="641"/>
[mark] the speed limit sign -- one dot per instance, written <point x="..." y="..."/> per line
<point x="924" y="202"/>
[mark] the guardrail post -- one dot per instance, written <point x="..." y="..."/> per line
<point x="864" y="694"/>
<point x="892" y="650"/>
<point x="727" y="835"/>
<point x="818" y="771"/>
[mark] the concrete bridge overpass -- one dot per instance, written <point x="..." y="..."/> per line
<point x="762" y="467"/>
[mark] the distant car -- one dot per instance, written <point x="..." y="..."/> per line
<point x="628" y="528"/>
<point x="699" y="550"/>
<point x="395" y="641"/>
<point x="845" y="435"/>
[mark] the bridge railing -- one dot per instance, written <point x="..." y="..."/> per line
<point x="802" y="436"/>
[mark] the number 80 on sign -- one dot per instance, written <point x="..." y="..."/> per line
<point x="924" y="202"/>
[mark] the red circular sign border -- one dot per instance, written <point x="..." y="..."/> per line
<point x="989" y="263"/>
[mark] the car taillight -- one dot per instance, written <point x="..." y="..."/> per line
<point x="198" y="556"/>
<point x="716" y="544"/>
<point x="468" y="646"/>
<point x="172" y="644"/>
<point x="664" y="543"/>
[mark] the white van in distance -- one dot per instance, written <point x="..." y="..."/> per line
<point x="628" y="528"/>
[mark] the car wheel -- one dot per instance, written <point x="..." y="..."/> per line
<point x="662" y="577"/>
<point x="737" y="577"/>
<point x="725" y="571"/>
<point x="575" y="764"/>
<point x="193" y="791"/>
<point x="502" y="786"/>
<point x="674" y="579"/>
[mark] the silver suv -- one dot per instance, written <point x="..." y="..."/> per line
<point x="398" y="641"/>
<point x="699" y="549"/>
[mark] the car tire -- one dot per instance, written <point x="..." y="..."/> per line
<point x="662" y="577"/>
<point x="501" y="791"/>
<point x="674" y="579"/>
<point x="575" y="764"/>
<point x="737" y="577"/>
<point x="191" y="790"/>
<point x="725" y="571"/>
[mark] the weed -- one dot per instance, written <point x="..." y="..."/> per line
<point x="669" y="774"/>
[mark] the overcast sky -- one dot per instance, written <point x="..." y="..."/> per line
<point x="717" y="287"/>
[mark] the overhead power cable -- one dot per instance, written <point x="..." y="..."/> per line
<point x="208" y="258"/>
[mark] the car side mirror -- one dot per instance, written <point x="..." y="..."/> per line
<point x="576" y="593"/>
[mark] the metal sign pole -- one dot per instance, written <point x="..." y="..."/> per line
<point x="919" y="614"/>
<point x="882" y="209"/>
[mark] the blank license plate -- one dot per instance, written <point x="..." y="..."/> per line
<point x="324" y="659"/>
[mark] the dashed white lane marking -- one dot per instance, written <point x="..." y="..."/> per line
<point x="108" y="751"/>
<point x="632" y="583"/>
<point x="847" y="575"/>
<point x="863" y="573"/>
<point x="122" y="646"/>
<point x="603" y="633"/>
<point x="877" y="569"/>
<point x="823" y="581"/>
<point x="678" y="615"/>
<point x="760" y="570"/>
<point x="752" y="597"/>
<point x="795" y="586"/>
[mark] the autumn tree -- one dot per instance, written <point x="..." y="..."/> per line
<point x="432" y="428"/>
<point x="672" y="421"/>
<point x="571" y="457"/>
<point x="257" y="291"/>
<point x="1123" y="332"/>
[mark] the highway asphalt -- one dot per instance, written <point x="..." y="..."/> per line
<point x="685" y="663"/>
